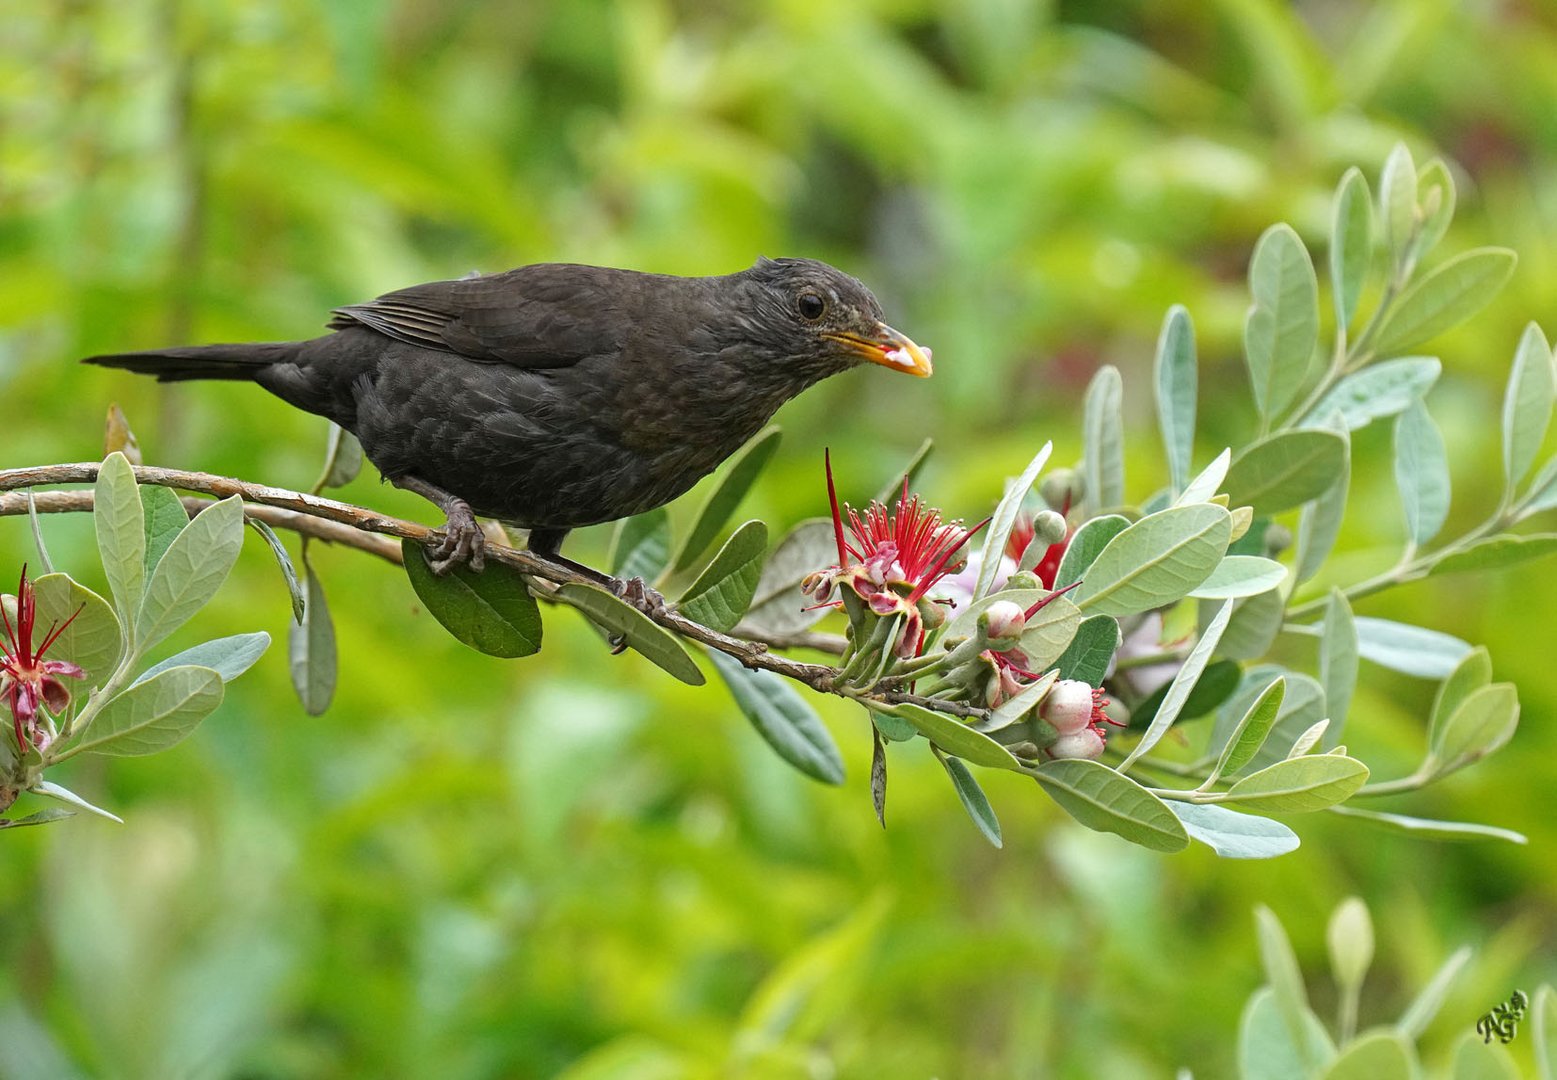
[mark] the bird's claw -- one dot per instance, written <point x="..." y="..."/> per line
<point x="640" y="594"/>
<point x="459" y="541"/>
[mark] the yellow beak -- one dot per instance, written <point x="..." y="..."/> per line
<point x="890" y="349"/>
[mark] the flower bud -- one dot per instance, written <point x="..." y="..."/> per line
<point x="933" y="615"/>
<point x="1024" y="579"/>
<point x="1061" y="486"/>
<point x="1085" y="743"/>
<point x="1048" y="528"/>
<point x="1278" y="538"/>
<point x="1001" y="624"/>
<point x="1067" y="707"/>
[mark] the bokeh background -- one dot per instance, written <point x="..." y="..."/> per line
<point x="573" y="866"/>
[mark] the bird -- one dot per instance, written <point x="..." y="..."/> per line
<point x="559" y="395"/>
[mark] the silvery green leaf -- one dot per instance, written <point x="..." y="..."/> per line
<point x="1338" y="663"/>
<point x="1375" y="1055"/>
<point x="44" y="563"/>
<point x="1208" y="482"/>
<point x="783" y="718"/>
<point x="1091" y="651"/>
<point x="973" y="799"/>
<point x="1377" y="391"/>
<point x="778" y="606"/>
<point x="1435" y="199"/>
<point x="1285" y="470"/>
<point x="1319" y="523"/>
<point x="1421" y="1011"/>
<point x="1421" y="473"/>
<point x="1447" y="296"/>
<point x="342" y="459"/>
<point x="121" y="534"/>
<point x="1397" y="201"/>
<point x="1411" y="650"/>
<point x="1542" y="494"/>
<point x="1282" y="328"/>
<point x="1496" y="552"/>
<point x="1183" y="682"/>
<point x="1472" y="673"/>
<point x="1285" y="980"/>
<point x="229" y="657"/>
<point x="1300" y="785"/>
<point x="1086" y="545"/>
<point x="1527" y="405"/>
<point x="999" y="530"/>
<point x="1267" y="1049"/>
<point x="1157" y="560"/>
<point x="1349" y="938"/>
<point x="190" y="571"/>
<point x="165" y="518"/>
<point x="1482" y="724"/>
<point x="1102" y="436"/>
<point x="1233" y="835"/>
<point x="1108" y="801"/>
<point x="1255" y="623"/>
<point x="1176" y="379"/>
<point x="640" y="545"/>
<point x="93" y="640"/>
<point x="65" y="795"/>
<point x="284" y="562"/>
<point x="1428" y="829"/>
<point x="311" y="654"/>
<point x="1241" y="575"/>
<point x="1252" y="730"/>
<point x="645" y="636"/>
<point x="1351" y="244"/>
<point x="155" y="714"/>
<point x="723" y="591"/>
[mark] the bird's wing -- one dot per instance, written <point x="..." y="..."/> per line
<point x="544" y="316"/>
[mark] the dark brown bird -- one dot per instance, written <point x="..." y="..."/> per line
<point x="556" y="395"/>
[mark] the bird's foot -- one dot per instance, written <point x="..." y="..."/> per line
<point x="459" y="541"/>
<point x="641" y="595"/>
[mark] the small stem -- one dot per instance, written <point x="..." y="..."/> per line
<point x="1166" y="656"/>
<point x="1346" y="1012"/>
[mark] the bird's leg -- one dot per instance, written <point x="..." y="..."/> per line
<point x="637" y="592"/>
<point x="460" y="540"/>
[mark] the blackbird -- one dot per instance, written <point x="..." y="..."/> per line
<point x="558" y="395"/>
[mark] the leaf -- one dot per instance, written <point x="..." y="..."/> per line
<point x="783" y="718"/>
<point x="1183" y="682"/>
<point x="1091" y="651"/>
<point x="1527" y="405"/>
<point x="1004" y="518"/>
<point x="1542" y="493"/>
<point x="1397" y="202"/>
<point x="1107" y="801"/>
<point x="1266" y="1050"/>
<point x="954" y="737"/>
<point x="1377" y="391"/>
<point x="1444" y="298"/>
<point x="190" y="571"/>
<point x="93" y="640"/>
<point x="1251" y="732"/>
<point x="1102" y="437"/>
<point x="153" y="715"/>
<point x="1208" y="482"/>
<point x="1241" y="575"/>
<point x="878" y="771"/>
<point x="1282" y="328"/>
<point x="1049" y="633"/>
<point x="1157" y="560"/>
<point x="65" y="795"/>
<point x="1482" y="724"/>
<point x="726" y="495"/>
<point x="1216" y="684"/>
<point x="1543" y="1018"/>
<point x="1427" y="829"/>
<point x="1474" y="1059"/>
<point x="778" y="606"/>
<point x="723" y="591"/>
<point x="1255" y="623"/>
<point x="311" y="657"/>
<point x="1374" y="1055"/>
<point x="1472" y="673"/>
<point x="1337" y="663"/>
<point x="1300" y="785"/>
<point x="1285" y="470"/>
<point x="1435" y="198"/>
<point x="41" y="817"/>
<point x="36" y="527"/>
<point x="284" y="561"/>
<point x="1349" y="938"/>
<point x="1013" y="708"/>
<point x="1085" y="546"/>
<point x="1176" y="380"/>
<point x="640" y="546"/>
<point x="1309" y="739"/>
<point x="164" y="517"/>
<point x="1411" y="650"/>
<point x="1319" y="523"/>
<point x="1351" y="244"/>
<point x="1421" y="474"/>
<point x="974" y="801"/>
<point x="656" y="644"/>
<point x="1286" y="981"/>
<point x="342" y="459"/>
<point x="909" y="473"/>
<point x="121" y="536"/>
<point x="1413" y="1022"/>
<point x="118" y="438"/>
<point x="229" y="657"/>
<point x="1233" y="835"/>
<point x="1496" y="552"/>
<point x="492" y="612"/>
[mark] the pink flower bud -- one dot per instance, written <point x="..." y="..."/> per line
<point x="1068" y="708"/>
<point x="1085" y="743"/>
<point x="1002" y="623"/>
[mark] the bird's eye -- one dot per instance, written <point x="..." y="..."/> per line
<point x="811" y="306"/>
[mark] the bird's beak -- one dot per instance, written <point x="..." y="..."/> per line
<point x="890" y="349"/>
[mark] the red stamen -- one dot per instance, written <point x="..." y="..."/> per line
<point x="1047" y="600"/>
<point x="55" y="633"/>
<point x="832" y="499"/>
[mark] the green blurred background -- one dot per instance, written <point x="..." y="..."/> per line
<point x="572" y="866"/>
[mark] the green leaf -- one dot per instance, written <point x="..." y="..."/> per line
<point x="65" y="795"/>
<point x="640" y="546"/>
<point x="1374" y="1055"/>
<point x="1251" y="732"/>
<point x="1102" y="437"/>
<point x="1543" y="1018"/>
<point x="783" y="718"/>
<point x="1299" y="785"/>
<point x="492" y="612"/>
<point x="229" y="657"/>
<point x="311" y="657"/>
<point x="954" y="737"/>
<point x="1107" y="801"/>
<point x="1233" y="835"/>
<point x="190" y="571"/>
<point x="1496" y="552"/>
<point x="894" y="728"/>
<point x="36" y="528"/>
<point x="284" y="561"/>
<point x="1049" y="633"/>
<point x="1413" y="1022"/>
<point x="657" y="645"/>
<point x="1337" y="663"/>
<point x="974" y="801"/>
<point x="1283" y="324"/>
<point x="155" y="714"/>
<point x="1527" y="405"/>
<point x="1309" y="739"/>
<point x="1542" y="493"/>
<point x="1241" y="575"/>
<point x="1319" y="523"/>
<point x="1216" y="684"/>
<point x="94" y="639"/>
<point x="1482" y="724"/>
<point x="1286" y="983"/>
<point x="1397" y="202"/>
<point x="1157" y="560"/>
<point x="908" y="475"/>
<point x="1411" y="650"/>
<point x="1302" y="706"/>
<point x="999" y="530"/>
<point x="342" y="459"/>
<point x="1474" y="1059"/>
<point x="1013" y="708"/>
<point x="41" y="817"/>
<point x="1266" y="1050"/>
<point x="1435" y="185"/>
<point x="1428" y="829"/>
<point x="1377" y="391"/>
<point x="121" y="536"/>
<point x="1472" y="673"/>
<point x="1285" y="470"/>
<point x="1086" y="545"/>
<point x="1253" y="628"/>
<point x="1421" y="473"/>
<point x="1176" y="380"/>
<point x="1450" y="294"/>
<point x="1349" y="938"/>
<point x="1183" y="682"/>
<point x="1351" y="244"/>
<point x="726" y="495"/>
<point x="1090" y="652"/>
<point x="1208" y="482"/>
<point x="778" y="606"/>
<point x="164" y="517"/>
<point x="723" y="591"/>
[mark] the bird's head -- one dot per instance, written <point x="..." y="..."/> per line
<point x="824" y="320"/>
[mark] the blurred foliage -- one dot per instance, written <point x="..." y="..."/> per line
<point x="573" y="866"/>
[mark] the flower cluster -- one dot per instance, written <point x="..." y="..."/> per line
<point x="1074" y="710"/>
<point x="27" y="680"/>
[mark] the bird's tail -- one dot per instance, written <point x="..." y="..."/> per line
<point x="242" y="362"/>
